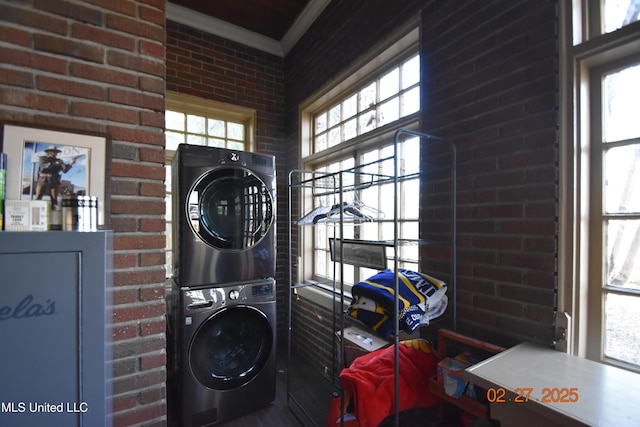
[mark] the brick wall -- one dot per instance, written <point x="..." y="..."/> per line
<point x="491" y="86"/>
<point x="210" y="67"/>
<point x="489" y="72"/>
<point x="98" y="67"/>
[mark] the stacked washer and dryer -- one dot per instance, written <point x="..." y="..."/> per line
<point x="221" y="323"/>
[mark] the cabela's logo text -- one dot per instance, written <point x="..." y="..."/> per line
<point x="27" y="308"/>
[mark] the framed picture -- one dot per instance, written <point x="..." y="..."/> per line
<point x="48" y="165"/>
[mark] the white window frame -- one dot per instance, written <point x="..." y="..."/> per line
<point x="189" y="104"/>
<point x="585" y="51"/>
<point x="397" y="49"/>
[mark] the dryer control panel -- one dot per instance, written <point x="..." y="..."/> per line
<point x="212" y="298"/>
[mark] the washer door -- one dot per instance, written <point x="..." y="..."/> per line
<point x="230" y="208"/>
<point x="231" y="347"/>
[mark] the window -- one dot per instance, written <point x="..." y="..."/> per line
<point x="352" y="125"/>
<point x="618" y="13"/>
<point x="602" y="182"/>
<point x="192" y="120"/>
<point x="617" y="210"/>
<point x="377" y="201"/>
<point x="388" y="98"/>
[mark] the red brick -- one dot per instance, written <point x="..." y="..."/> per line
<point x="152" y="293"/>
<point x="69" y="10"/>
<point x="138" y="207"/>
<point x="138" y="415"/>
<point x="27" y="18"/>
<point x="101" y="74"/>
<point x="124" y="187"/>
<point x="79" y="125"/>
<point x="16" y="78"/>
<point x="153" y="119"/>
<point x="135" y="27"/>
<point x="152" y="225"/>
<point x="138" y="241"/>
<point x="11" y="115"/>
<point x="136" y="99"/>
<point x="14" y="36"/>
<point x="157" y="4"/>
<point x="139" y="277"/>
<point x="154" y="15"/>
<point x="137" y="312"/>
<point x="483" y="317"/>
<point x="124" y="332"/>
<point x="137" y="381"/>
<point x="529" y="227"/>
<point x="122" y="367"/>
<point x="102" y="36"/>
<point x="152" y="154"/>
<point x="34" y="101"/>
<point x="152" y="189"/>
<point x="70" y="87"/>
<point x="121" y="224"/>
<point x="104" y="111"/>
<point x="125" y="296"/>
<point x="152" y="361"/>
<point x="155" y="50"/>
<point x="124" y="7"/>
<point x="153" y="395"/>
<point x="133" y="62"/>
<point x="138" y="346"/>
<point x="137" y="135"/>
<point x="153" y="328"/>
<point x="138" y="171"/>
<point x="68" y="47"/>
<point x="152" y="258"/>
<point x="539" y="314"/>
<point x="152" y="84"/>
<point x="124" y="402"/>
<point x="498" y="273"/>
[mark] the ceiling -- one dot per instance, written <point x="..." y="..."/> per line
<point x="270" y="18"/>
<point x="270" y="25"/>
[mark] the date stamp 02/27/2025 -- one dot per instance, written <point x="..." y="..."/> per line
<point x="526" y="394"/>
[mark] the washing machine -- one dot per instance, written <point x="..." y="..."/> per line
<point x="224" y="352"/>
<point x="223" y="215"/>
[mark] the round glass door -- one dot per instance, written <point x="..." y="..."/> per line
<point x="230" y="209"/>
<point x="231" y="348"/>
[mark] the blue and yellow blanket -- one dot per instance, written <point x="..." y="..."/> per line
<point x="420" y="298"/>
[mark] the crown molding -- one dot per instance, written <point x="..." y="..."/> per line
<point x="309" y="14"/>
<point x="208" y="24"/>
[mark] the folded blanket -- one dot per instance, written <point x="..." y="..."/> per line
<point x="370" y="381"/>
<point x="418" y="294"/>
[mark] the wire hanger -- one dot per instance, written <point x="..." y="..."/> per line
<point x="354" y="211"/>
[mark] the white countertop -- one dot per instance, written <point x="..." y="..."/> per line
<point x="602" y="395"/>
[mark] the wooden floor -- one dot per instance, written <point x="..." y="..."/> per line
<point x="284" y="412"/>
<point x="308" y="403"/>
<point x="275" y="415"/>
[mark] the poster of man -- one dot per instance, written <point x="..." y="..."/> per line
<point x="52" y="171"/>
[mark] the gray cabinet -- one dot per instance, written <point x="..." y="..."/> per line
<point x="55" y="328"/>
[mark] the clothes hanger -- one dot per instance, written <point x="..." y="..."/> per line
<point x="351" y="211"/>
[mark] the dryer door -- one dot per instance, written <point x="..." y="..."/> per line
<point x="230" y="348"/>
<point x="230" y="208"/>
